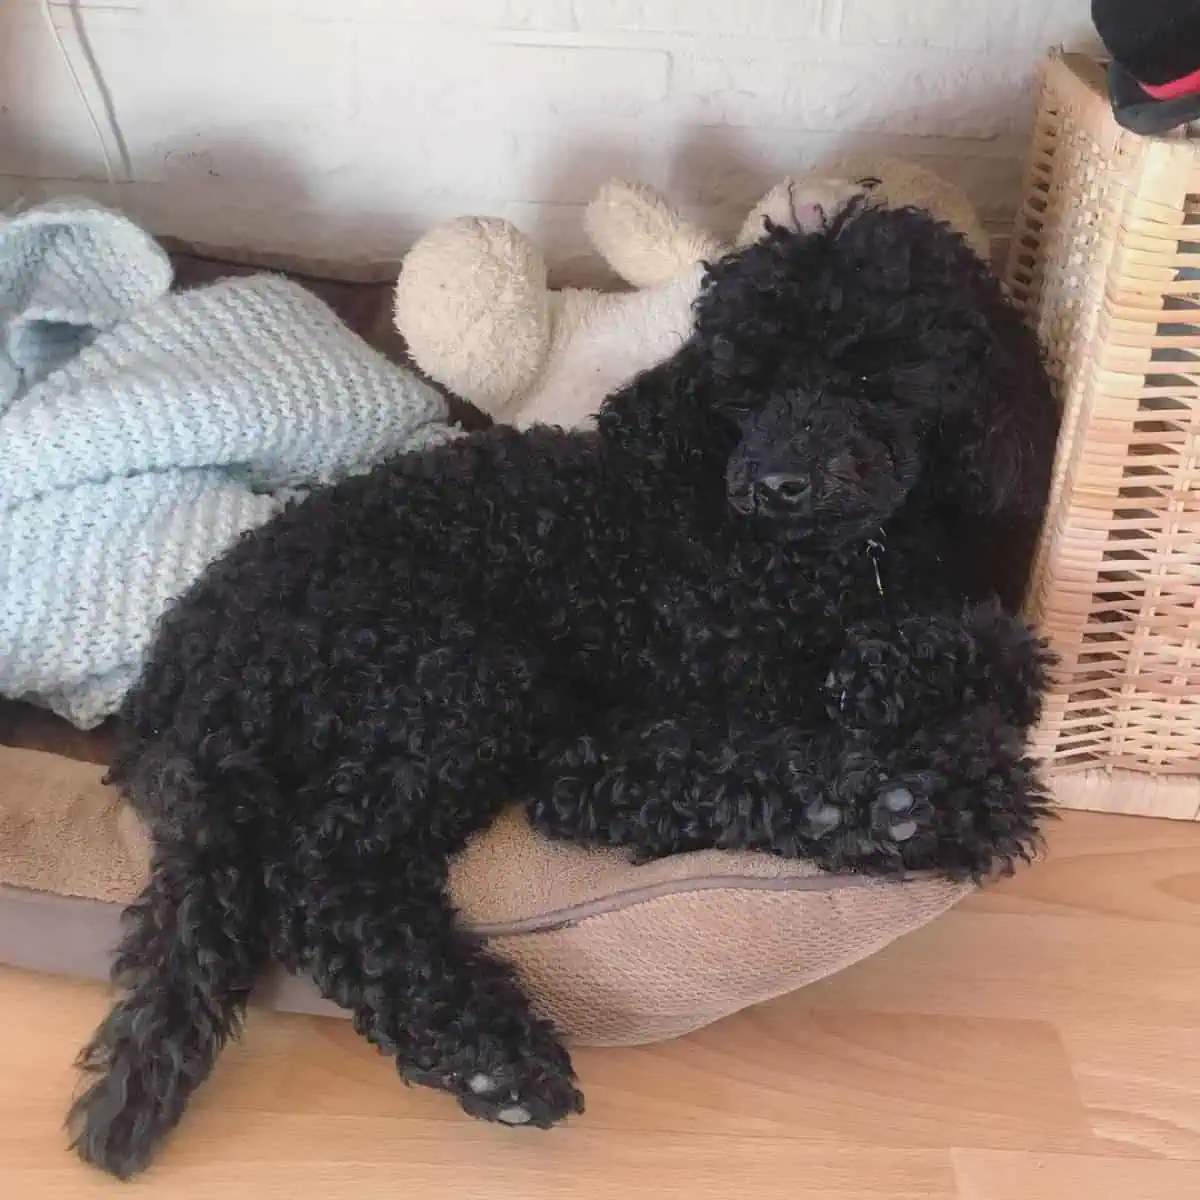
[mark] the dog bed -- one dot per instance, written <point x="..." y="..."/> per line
<point x="616" y="954"/>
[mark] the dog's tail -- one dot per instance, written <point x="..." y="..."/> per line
<point x="193" y="944"/>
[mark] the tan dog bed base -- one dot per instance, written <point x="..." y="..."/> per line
<point x="613" y="953"/>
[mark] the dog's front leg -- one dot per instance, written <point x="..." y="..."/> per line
<point x="666" y="785"/>
<point x="958" y="795"/>
<point x="927" y="666"/>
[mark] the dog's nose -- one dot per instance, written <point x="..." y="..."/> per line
<point x="791" y="490"/>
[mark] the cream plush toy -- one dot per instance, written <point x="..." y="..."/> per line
<point x="475" y="308"/>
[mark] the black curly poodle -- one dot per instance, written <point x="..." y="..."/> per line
<point x="757" y="608"/>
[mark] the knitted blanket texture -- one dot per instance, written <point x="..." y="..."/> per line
<point x="143" y="431"/>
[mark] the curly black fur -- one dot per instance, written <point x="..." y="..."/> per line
<point x="756" y="609"/>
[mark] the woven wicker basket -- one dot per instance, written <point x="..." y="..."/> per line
<point x="1106" y="269"/>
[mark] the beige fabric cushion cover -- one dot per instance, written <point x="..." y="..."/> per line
<point x="615" y="954"/>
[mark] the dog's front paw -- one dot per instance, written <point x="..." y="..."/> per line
<point x="878" y="822"/>
<point x="901" y="813"/>
<point x="962" y="799"/>
<point x="868" y="685"/>
<point x="533" y="1092"/>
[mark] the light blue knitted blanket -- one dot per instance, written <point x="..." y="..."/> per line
<point x="141" y="432"/>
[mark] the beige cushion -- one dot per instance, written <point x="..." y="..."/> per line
<point x="614" y="953"/>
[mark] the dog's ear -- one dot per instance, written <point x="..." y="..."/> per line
<point x="1001" y="432"/>
<point x="664" y="418"/>
<point x="985" y="380"/>
<point x="998" y="443"/>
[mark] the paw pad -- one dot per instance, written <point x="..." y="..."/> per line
<point x="504" y="1098"/>
<point x="898" y="812"/>
<point x="515" y="1114"/>
<point x="898" y="799"/>
<point x="511" y="1114"/>
<point x="822" y="818"/>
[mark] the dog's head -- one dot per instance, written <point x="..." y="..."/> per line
<point x="853" y="365"/>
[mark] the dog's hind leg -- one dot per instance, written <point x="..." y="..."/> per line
<point x="192" y="945"/>
<point x="452" y="1015"/>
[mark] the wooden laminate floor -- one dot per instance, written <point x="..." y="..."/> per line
<point x="1042" y="1042"/>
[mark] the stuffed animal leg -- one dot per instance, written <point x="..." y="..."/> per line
<point x="644" y="239"/>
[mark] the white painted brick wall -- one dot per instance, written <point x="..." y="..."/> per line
<point x="345" y="127"/>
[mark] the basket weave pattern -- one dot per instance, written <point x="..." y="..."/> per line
<point x="1107" y="268"/>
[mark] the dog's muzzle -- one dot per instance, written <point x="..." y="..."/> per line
<point x="777" y="493"/>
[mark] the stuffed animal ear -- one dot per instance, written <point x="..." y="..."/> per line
<point x="901" y="183"/>
<point x="642" y="237"/>
<point x="804" y="206"/>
